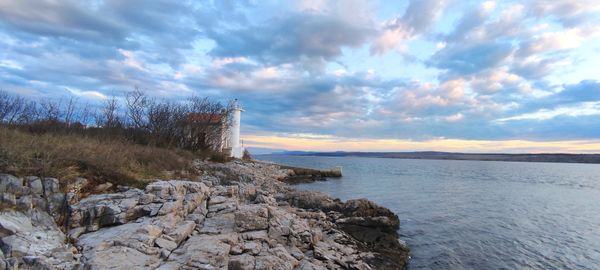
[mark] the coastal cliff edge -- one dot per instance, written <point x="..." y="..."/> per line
<point x="235" y="215"/>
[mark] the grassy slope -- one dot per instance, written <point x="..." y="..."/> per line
<point x="70" y="156"/>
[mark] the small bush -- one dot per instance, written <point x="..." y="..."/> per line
<point x="220" y="157"/>
<point x="247" y="155"/>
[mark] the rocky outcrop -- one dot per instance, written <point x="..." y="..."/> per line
<point x="235" y="216"/>
<point x="29" y="235"/>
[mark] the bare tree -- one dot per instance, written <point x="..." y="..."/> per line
<point x="70" y="110"/>
<point x="165" y="123"/>
<point x="5" y="103"/>
<point x="109" y="115"/>
<point x="137" y="107"/>
<point x="50" y="110"/>
<point x="85" y="114"/>
<point x="196" y="124"/>
<point x="30" y="113"/>
<point x="11" y="107"/>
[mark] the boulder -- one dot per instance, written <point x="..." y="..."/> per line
<point x="160" y="198"/>
<point x="251" y="218"/>
<point x="35" y="185"/>
<point x="255" y="235"/>
<point x="219" y="224"/>
<point x="366" y="208"/>
<point x="9" y="183"/>
<point x="241" y="262"/>
<point x="272" y="262"/>
<point x="313" y="200"/>
<point x="204" y="252"/>
<point x="308" y="265"/>
<point x="51" y="185"/>
<point x="165" y="243"/>
<point x="182" y="231"/>
<point x="34" y="241"/>
<point x="109" y="248"/>
<point x="252" y="247"/>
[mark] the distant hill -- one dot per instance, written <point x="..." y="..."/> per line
<point x="552" y="157"/>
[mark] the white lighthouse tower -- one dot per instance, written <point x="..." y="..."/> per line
<point x="237" y="150"/>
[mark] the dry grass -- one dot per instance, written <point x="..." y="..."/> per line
<point x="69" y="156"/>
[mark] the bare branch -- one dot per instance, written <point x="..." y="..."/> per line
<point x="70" y="109"/>
<point x="109" y="117"/>
<point x="137" y="107"/>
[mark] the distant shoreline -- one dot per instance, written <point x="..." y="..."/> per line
<point x="432" y="155"/>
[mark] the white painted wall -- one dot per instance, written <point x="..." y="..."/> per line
<point x="234" y="139"/>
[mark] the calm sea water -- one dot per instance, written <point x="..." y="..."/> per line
<point x="478" y="214"/>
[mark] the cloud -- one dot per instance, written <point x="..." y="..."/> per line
<point x="314" y="67"/>
<point x="418" y="17"/>
<point x="290" y="142"/>
<point x="587" y="90"/>
<point x="580" y="109"/>
<point x="87" y="94"/>
<point x="575" y="101"/>
<point x="567" y="12"/>
<point x="471" y="58"/>
<point x="471" y="20"/>
<point x="454" y="118"/>
<point x="496" y="81"/>
<point x="536" y="68"/>
<point x="100" y="28"/>
<point x="69" y="19"/>
<point x="305" y="36"/>
<point x="552" y="41"/>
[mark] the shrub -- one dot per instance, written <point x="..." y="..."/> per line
<point x="67" y="156"/>
<point x="220" y="157"/>
<point x="247" y="155"/>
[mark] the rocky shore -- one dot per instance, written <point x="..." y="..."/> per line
<point x="237" y="215"/>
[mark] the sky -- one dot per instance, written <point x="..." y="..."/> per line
<point x="354" y="75"/>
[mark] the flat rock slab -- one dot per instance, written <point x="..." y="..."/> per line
<point x="204" y="251"/>
<point x="251" y="218"/>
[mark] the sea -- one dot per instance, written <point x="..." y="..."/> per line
<point x="477" y="214"/>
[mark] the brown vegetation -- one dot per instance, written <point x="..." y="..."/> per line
<point x="140" y="119"/>
<point x="69" y="156"/>
<point x="143" y="139"/>
<point x="247" y="155"/>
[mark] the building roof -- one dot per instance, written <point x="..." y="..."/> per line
<point x="205" y="118"/>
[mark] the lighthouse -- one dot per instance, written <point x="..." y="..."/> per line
<point x="237" y="150"/>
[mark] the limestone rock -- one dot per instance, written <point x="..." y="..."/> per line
<point x="313" y="200"/>
<point x="160" y="198"/>
<point x="251" y="218"/>
<point x="51" y="185"/>
<point x="252" y="247"/>
<point x="220" y="224"/>
<point x="308" y="265"/>
<point x="255" y="235"/>
<point x="241" y="262"/>
<point x="120" y="242"/>
<point x="33" y="241"/>
<point x="35" y="184"/>
<point x="237" y="215"/>
<point x="166" y="244"/>
<point x="204" y="252"/>
<point x="272" y="262"/>
<point x="182" y="231"/>
<point x="9" y="182"/>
